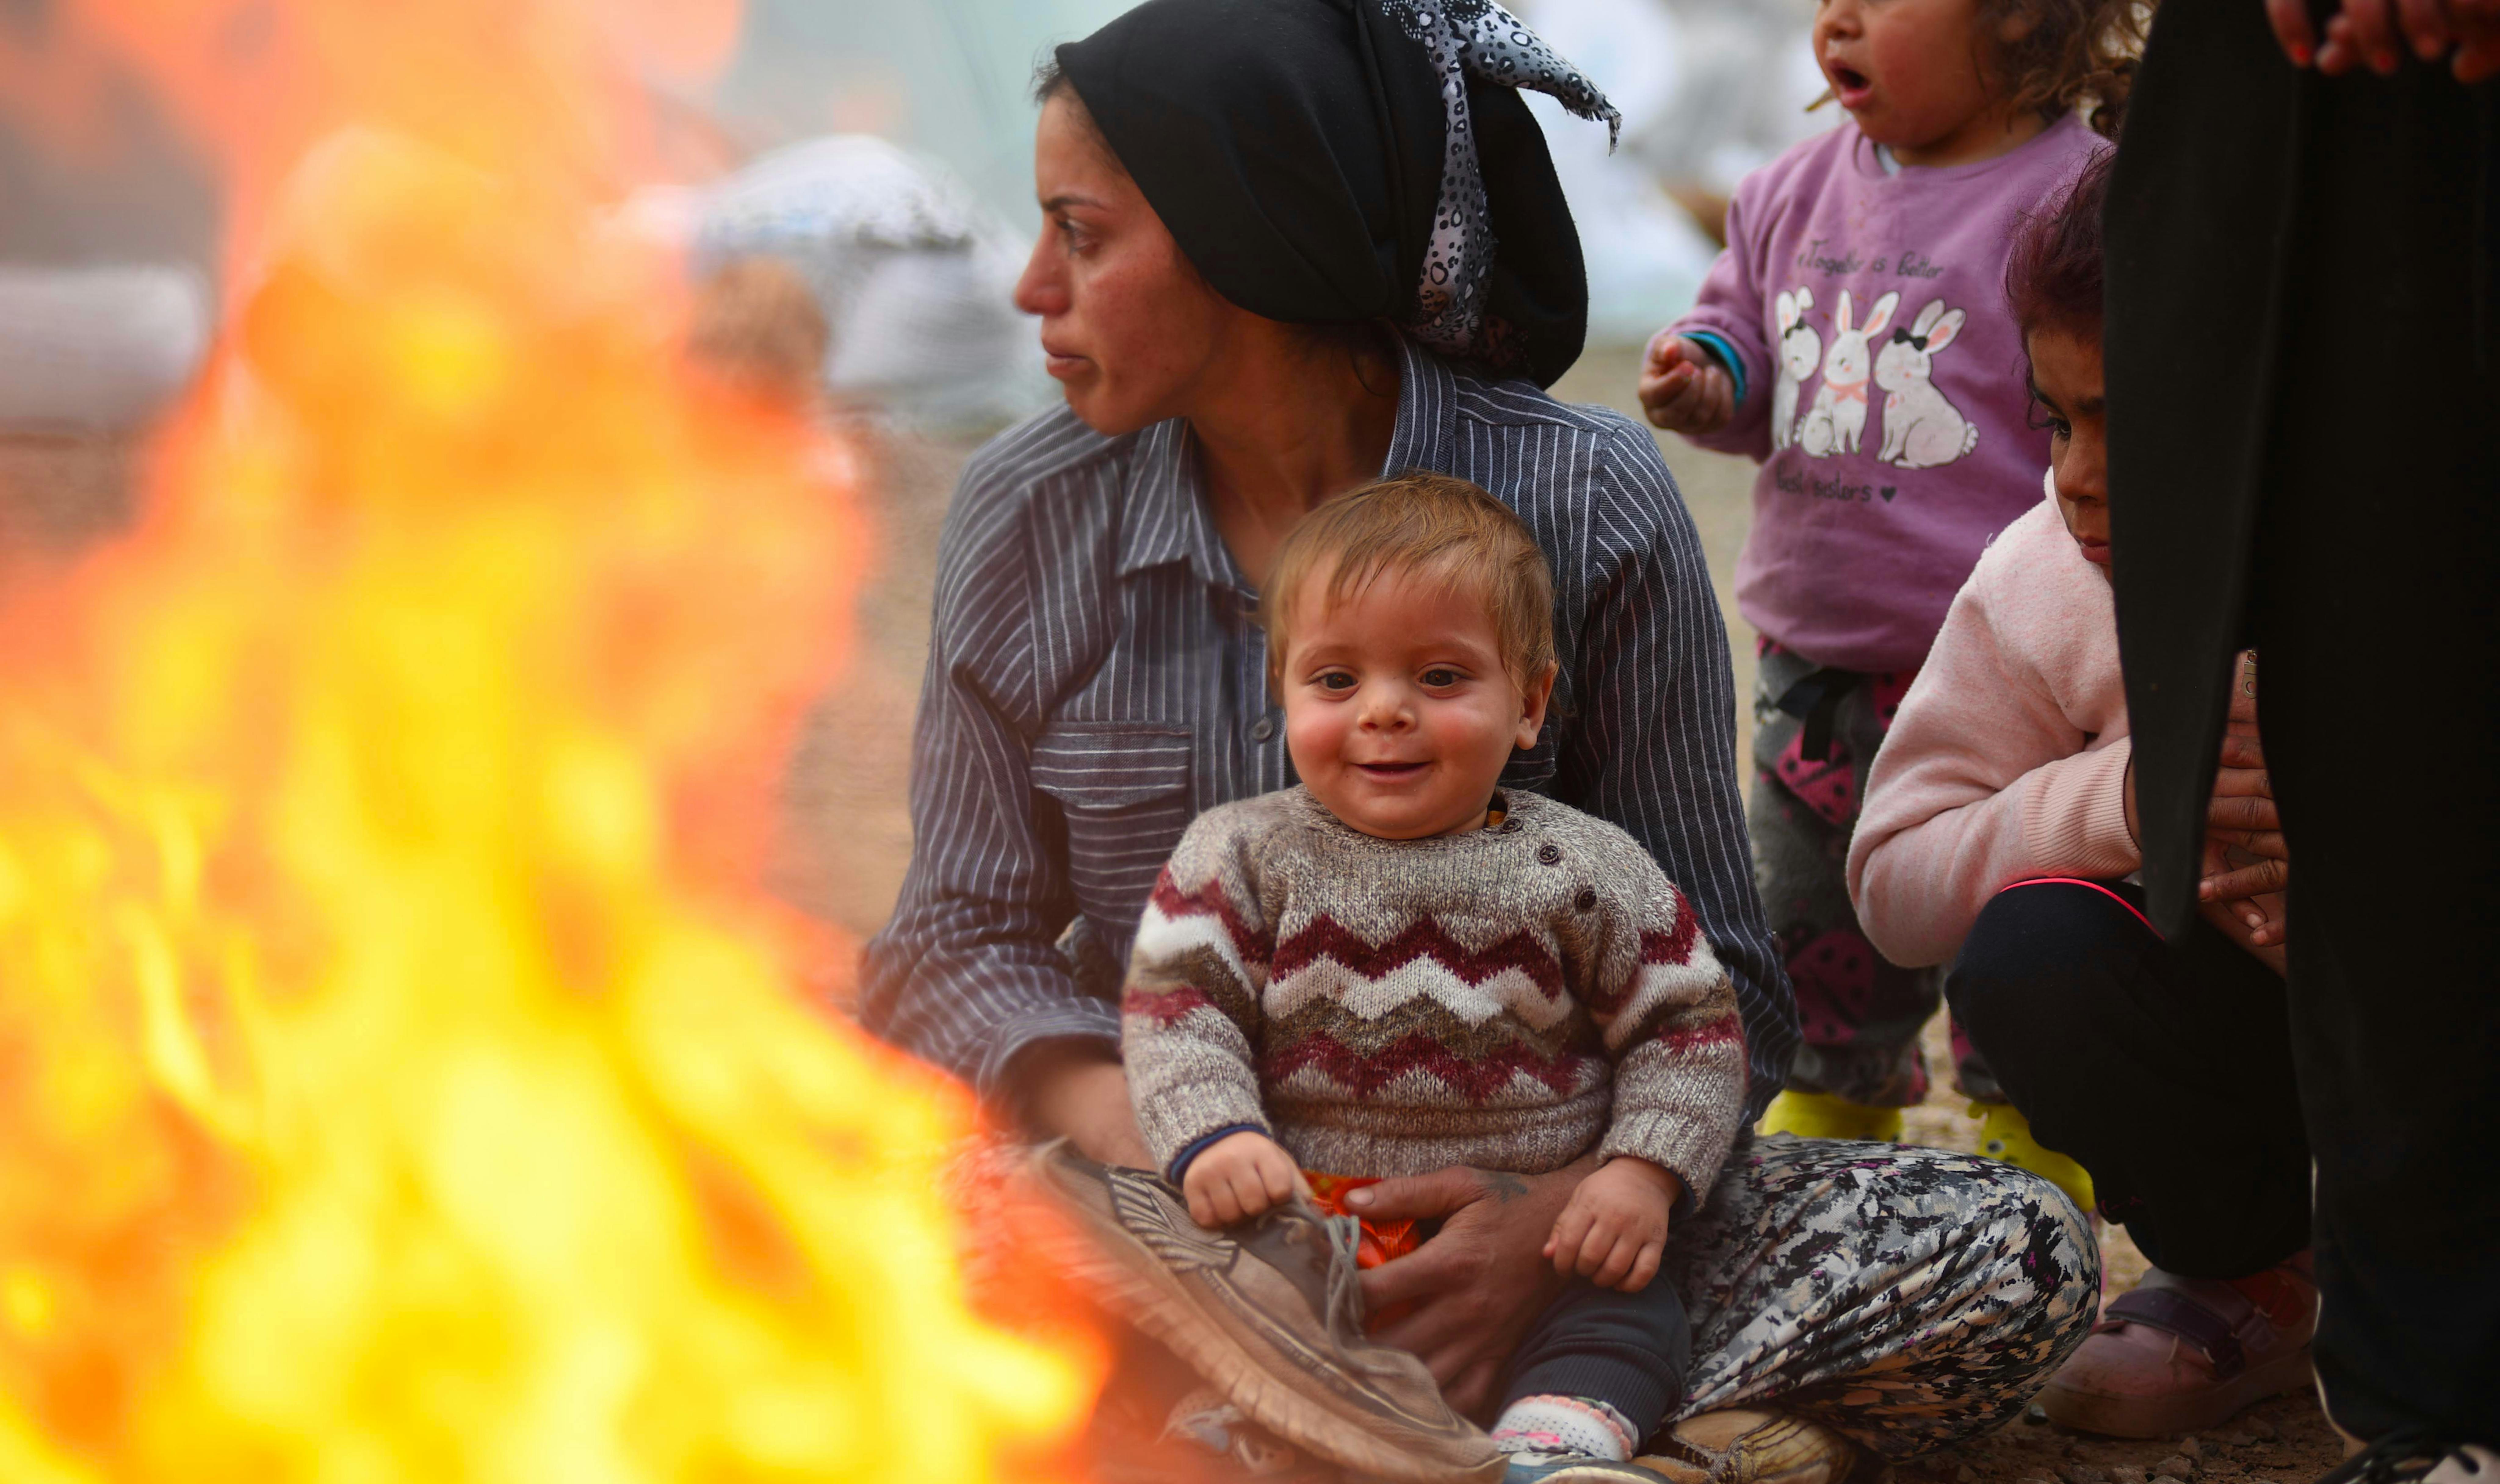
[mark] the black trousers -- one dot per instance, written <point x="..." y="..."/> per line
<point x="2164" y="1068"/>
<point x="2373" y="607"/>
<point x="2304" y="325"/>
<point x="1630" y="1350"/>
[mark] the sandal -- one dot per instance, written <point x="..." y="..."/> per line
<point x="2179" y="1354"/>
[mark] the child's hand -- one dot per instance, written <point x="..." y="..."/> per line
<point x="1613" y="1231"/>
<point x="1683" y="387"/>
<point x="1236" y="1177"/>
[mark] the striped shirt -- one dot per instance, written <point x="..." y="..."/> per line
<point x="1098" y="676"/>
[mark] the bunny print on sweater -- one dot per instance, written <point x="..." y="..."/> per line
<point x="1800" y="352"/>
<point x="1863" y="301"/>
<point x="1838" y="422"/>
<point x="1921" y="430"/>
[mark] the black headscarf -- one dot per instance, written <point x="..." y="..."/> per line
<point x="1327" y="161"/>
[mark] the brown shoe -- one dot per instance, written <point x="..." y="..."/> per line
<point x="1268" y="1313"/>
<point x="1739" y="1445"/>
<point x="2180" y="1354"/>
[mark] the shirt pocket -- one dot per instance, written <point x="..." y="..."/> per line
<point x="1124" y="789"/>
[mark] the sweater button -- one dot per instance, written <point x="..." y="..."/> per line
<point x="1550" y="854"/>
<point x="1587" y="899"/>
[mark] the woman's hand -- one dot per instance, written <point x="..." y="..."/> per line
<point x="2368" y="31"/>
<point x="2245" y="854"/>
<point x="1613" y="1231"/>
<point x="1683" y="387"/>
<point x="2232" y="921"/>
<point x="1480" y="1283"/>
<point x="1239" y="1177"/>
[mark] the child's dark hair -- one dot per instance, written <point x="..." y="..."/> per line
<point x="2053" y="278"/>
<point x="2050" y="55"/>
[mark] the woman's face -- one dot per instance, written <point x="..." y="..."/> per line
<point x="2067" y="378"/>
<point x="1130" y="328"/>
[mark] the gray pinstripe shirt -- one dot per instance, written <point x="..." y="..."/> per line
<point x="1097" y="676"/>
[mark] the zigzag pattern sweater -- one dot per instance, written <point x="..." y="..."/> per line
<point x="1504" y="998"/>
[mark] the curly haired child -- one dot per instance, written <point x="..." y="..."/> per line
<point x="1854" y="338"/>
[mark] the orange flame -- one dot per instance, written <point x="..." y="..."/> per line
<point x="399" y="1078"/>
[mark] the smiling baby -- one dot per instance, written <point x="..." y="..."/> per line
<point x="1400" y="965"/>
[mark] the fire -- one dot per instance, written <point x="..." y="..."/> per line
<point x="400" y="1076"/>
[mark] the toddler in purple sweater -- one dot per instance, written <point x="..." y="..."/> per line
<point x="1854" y="338"/>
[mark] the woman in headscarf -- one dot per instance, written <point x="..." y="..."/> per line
<point x="1288" y="246"/>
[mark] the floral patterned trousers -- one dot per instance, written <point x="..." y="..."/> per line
<point x="1860" y="1014"/>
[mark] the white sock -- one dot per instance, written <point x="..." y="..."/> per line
<point x="1565" y="1425"/>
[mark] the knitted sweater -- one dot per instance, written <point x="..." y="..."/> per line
<point x="2008" y="758"/>
<point x="1503" y="998"/>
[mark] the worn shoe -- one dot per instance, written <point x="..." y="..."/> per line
<point x="1268" y="1313"/>
<point x="1573" y="1468"/>
<point x="2416" y="1458"/>
<point x="1823" y="1115"/>
<point x="1206" y="1420"/>
<point x="1739" y="1445"/>
<point x="2181" y="1354"/>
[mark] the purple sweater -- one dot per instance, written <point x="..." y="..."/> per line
<point x="1883" y="382"/>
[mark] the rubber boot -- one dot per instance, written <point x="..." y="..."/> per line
<point x="1822" y="1116"/>
<point x="2005" y="1134"/>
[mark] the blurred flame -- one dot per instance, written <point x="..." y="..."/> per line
<point x="400" y="1078"/>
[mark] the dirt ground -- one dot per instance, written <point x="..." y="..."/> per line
<point x="849" y="838"/>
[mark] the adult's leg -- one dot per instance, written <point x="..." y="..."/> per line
<point x="1901" y="1297"/>
<point x="2163" y="1068"/>
<point x="2377" y="548"/>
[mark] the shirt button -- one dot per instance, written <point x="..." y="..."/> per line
<point x="1549" y="853"/>
<point x="1265" y="728"/>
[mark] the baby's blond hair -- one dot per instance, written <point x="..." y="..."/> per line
<point x="1419" y="524"/>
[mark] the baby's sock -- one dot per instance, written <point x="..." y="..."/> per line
<point x="1565" y="1425"/>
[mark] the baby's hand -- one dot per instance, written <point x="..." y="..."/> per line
<point x="1613" y="1231"/>
<point x="1683" y="387"/>
<point x="1236" y="1177"/>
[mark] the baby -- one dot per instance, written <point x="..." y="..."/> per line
<point x="1399" y="966"/>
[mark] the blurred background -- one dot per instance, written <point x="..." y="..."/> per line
<point x="879" y="153"/>
<point x="884" y="149"/>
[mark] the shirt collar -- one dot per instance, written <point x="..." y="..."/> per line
<point x="1427" y="410"/>
<point x="1168" y="519"/>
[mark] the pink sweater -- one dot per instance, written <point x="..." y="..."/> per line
<point x="2008" y="759"/>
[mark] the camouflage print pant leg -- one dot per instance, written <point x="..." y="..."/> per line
<point x="1904" y="1297"/>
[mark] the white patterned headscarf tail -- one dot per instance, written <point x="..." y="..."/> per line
<point x="1477" y="39"/>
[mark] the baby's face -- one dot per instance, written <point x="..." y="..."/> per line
<point x="1398" y="712"/>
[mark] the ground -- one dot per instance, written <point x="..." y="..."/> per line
<point x="850" y="837"/>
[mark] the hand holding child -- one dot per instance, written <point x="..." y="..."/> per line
<point x="1613" y="1231"/>
<point x="1683" y="387"/>
<point x="1237" y="1177"/>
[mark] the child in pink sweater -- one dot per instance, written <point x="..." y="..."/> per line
<point x="1997" y="837"/>
<point x="1852" y="338"/>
